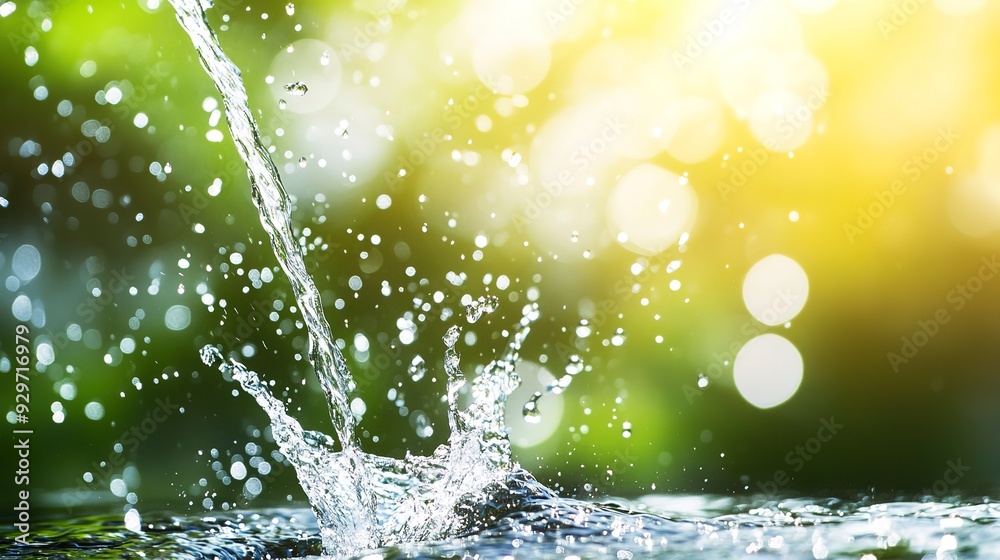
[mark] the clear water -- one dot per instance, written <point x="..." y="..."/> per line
<point x="363" y="501"/>
<point x="469" y="499"/>
<point x="521" y="519"/>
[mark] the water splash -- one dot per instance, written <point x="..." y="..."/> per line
<point x="417" y="498"/>
<point x="361" y="500"/>
<point x="481" y="306"/>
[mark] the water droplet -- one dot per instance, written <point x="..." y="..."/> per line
<point x="702" y="380"/>
<point x="619" y="337"/>
<point x="252" y="487"/>
<point x="290" y="9"/>
<point x="94" y="410"/>
<point x="132" y="521"/>
<point x="178" y="317"/>
<point x="282" y="104"/>
<point x="482" y="306"/>
<point x="451" y="337"/>
<point x="27" y="262"/>
<point x="626" y="430"/>
<point x="418" y="368"/>
<point x="422" y="425"/>
<point x="530" y="411"/>
<point x="324" y="59"/>
<point x="296" y="88"/>
<point x="574" y="365"/>
<point x="238" y="470"/>
<point x="210" y="355"/>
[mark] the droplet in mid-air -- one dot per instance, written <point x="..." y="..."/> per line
<point x="451" y="337"/>
<point x="296" y="88"/>
<point x="530" y="412"/>
<point x="619" y="337"/>
<point x="574" y="364"/>
<point x="479" y="307"/>
<point x="702" y="380"/>
<point x="282" y="104"/>
<point x="418" y="368"/>
<point x="626" y="430"/>
<point x="290" y="9"/>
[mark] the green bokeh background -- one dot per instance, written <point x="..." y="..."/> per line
<point x="888" y="97"/>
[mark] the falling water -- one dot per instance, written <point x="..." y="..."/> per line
<point x="361" y="500"/>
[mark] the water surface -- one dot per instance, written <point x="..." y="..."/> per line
<point x="523" y="520"/>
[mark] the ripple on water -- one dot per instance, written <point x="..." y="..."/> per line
<point x="523" y="519"/>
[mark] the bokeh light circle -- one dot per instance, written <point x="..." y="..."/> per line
<point x="749" y="73"/>
<point x="177" y="318"/>
<point x="698" y="129"/>
<point x="512" y="61"/>
<point x="974" y="201"/>
<point x="26" y="263"/>
<point x="775" y="289"/>
<point x="650" y="208"/>
<point x="974" y="207"/>
<point x="782" y="121"/>
<point x="768" y="370"/>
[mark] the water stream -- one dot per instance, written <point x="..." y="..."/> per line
<point x="361" y="500"/>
